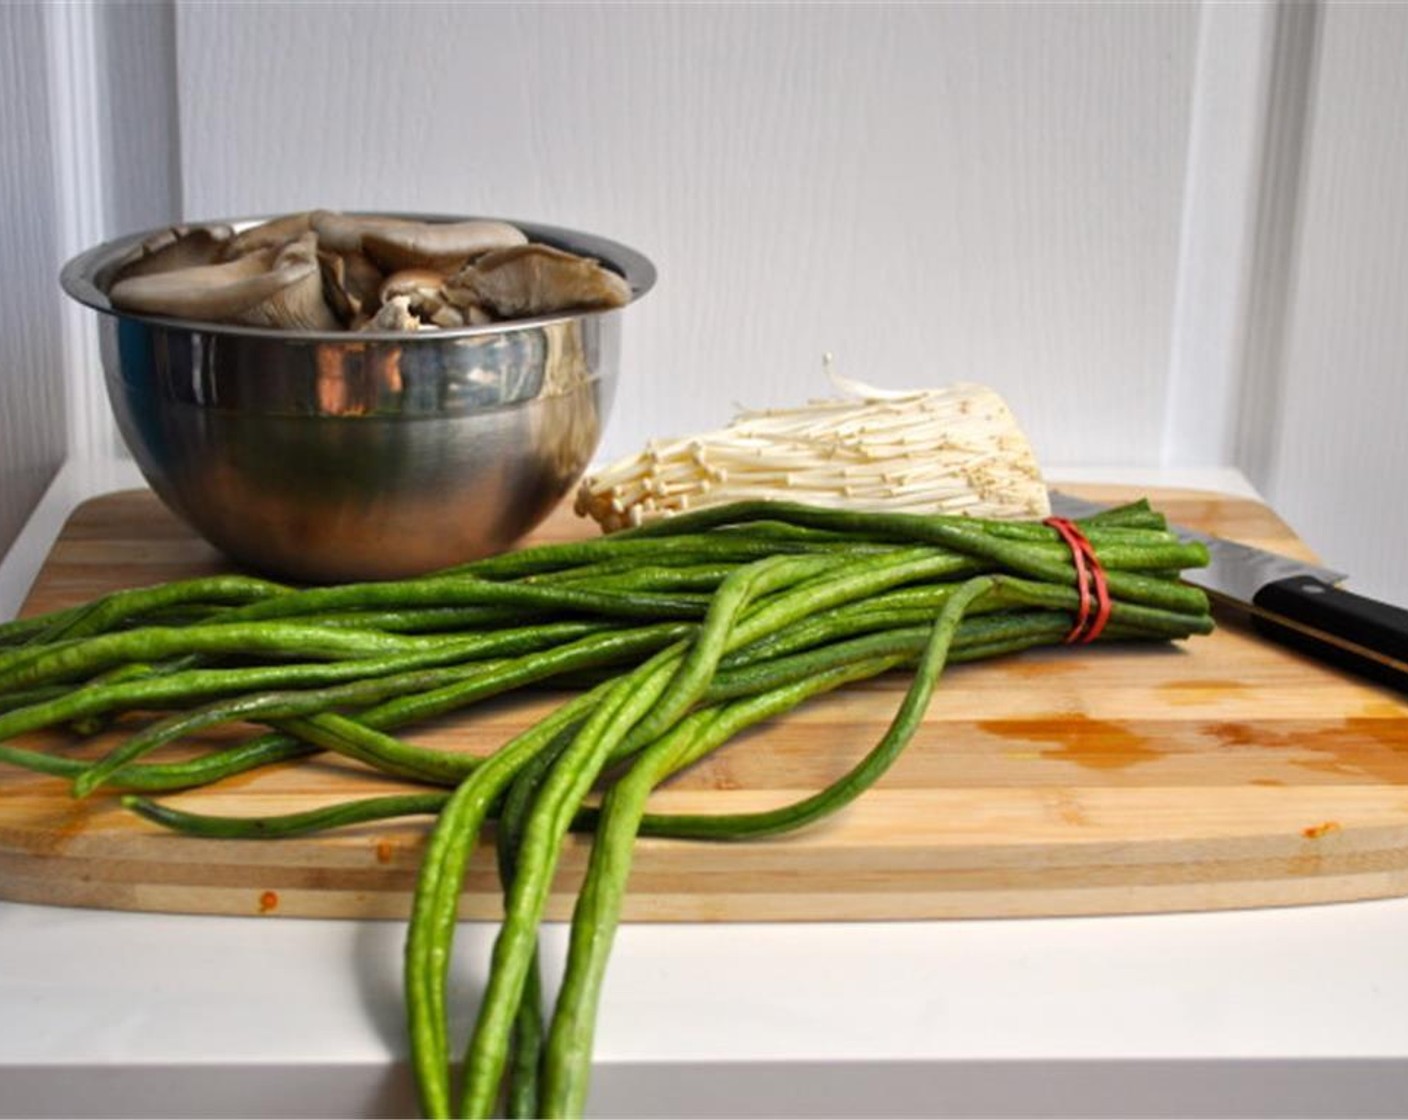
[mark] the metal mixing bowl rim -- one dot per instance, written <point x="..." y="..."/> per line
<point x="77" y="278"/>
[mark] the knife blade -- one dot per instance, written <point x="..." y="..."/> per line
<point x="1293" y="602"/>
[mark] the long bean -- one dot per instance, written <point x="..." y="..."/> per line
<point x="615" y="726"/>
<point x="167" y="777"/>
<point x="976" y="640"/>
<point x="307" y="714"/>
<point x="746" y="826"/>
<point x="704" y="624"/>
<point x="191" y="686"/>
<point x="304" y="823"/>
<point x="688" y="548"/>
<point x="285" y="641"/>
<point x="466" y="591"/>
<point x="267" y="707"/>
<point x="965" y="536"/>
<point x="568" y="1058"/>
<point x="120" y="607"/>
<point x="99" y="615"/>
<point x="529" y="1029"/>
<point x="430" y="936"/>
<point x="563" y="789"/>
<point x="869" y="524"/>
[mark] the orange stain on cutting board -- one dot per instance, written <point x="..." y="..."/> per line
<point x="76" y="818"/>
<point x="1356" y="746"/>
<point x="1095" y="743"/>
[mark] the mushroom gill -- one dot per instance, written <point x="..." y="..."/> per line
<point x="270" y="287"/>
<point x="169" y="249"/>
<point x="351" y="285"/>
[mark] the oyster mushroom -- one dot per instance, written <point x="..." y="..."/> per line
<point x="271" y="287"/>
<point x="320" y="269"/>
<point x="351" y="284"/>
<point x="443" y="246"/>
<point x="170" y="249"/>
<point x="393" y="315"/>
<point x="537" y="279"/>
<point x="422" y="285"/>
<point x="273" y="233"/>
<point x="343" y="233"/>
<point x="424" y="291"/>
<point x="462" y="302"/>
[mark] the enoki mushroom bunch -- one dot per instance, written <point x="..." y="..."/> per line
<point x="951" y="450"/>
<point x="692" y="629"/>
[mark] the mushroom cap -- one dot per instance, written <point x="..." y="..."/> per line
<point x="270" y="287"/>
<point x="418" y="283"/>
<point x="273" y="233"/>
<point x="537" y="279"/>
<point x="169" y="249"/>
<point x="342" y="233"/>
<point x="443" y="246"/>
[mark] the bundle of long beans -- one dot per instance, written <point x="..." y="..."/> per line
<point x="676" y="636"/>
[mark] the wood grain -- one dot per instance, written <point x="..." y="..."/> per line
<point x="1223" y="772"/>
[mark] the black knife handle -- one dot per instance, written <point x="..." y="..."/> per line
<point x="1359" y="634"/>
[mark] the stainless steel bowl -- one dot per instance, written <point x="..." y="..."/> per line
<point x="340" y="456"/>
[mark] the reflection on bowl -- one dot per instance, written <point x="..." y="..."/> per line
<point x="327" y="456"/>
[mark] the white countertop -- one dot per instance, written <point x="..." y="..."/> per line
<point x="1266" y="1012"/>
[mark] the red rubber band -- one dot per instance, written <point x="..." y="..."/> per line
<point x="1102" y="594"/>
<point x="1088" y="572"/>
<point x="1071" y="535"/>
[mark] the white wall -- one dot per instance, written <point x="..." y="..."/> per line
<point x="1340" y="453"/>
<point x="87" y="149"/>
<point x="931" y="192"/>
<point x="115" y="163"/>
<point x="32" y="442"/>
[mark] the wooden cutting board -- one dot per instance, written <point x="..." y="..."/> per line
<point x="1224" y="772"/>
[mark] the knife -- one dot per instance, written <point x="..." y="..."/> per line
<point x="1298" y="604"/>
